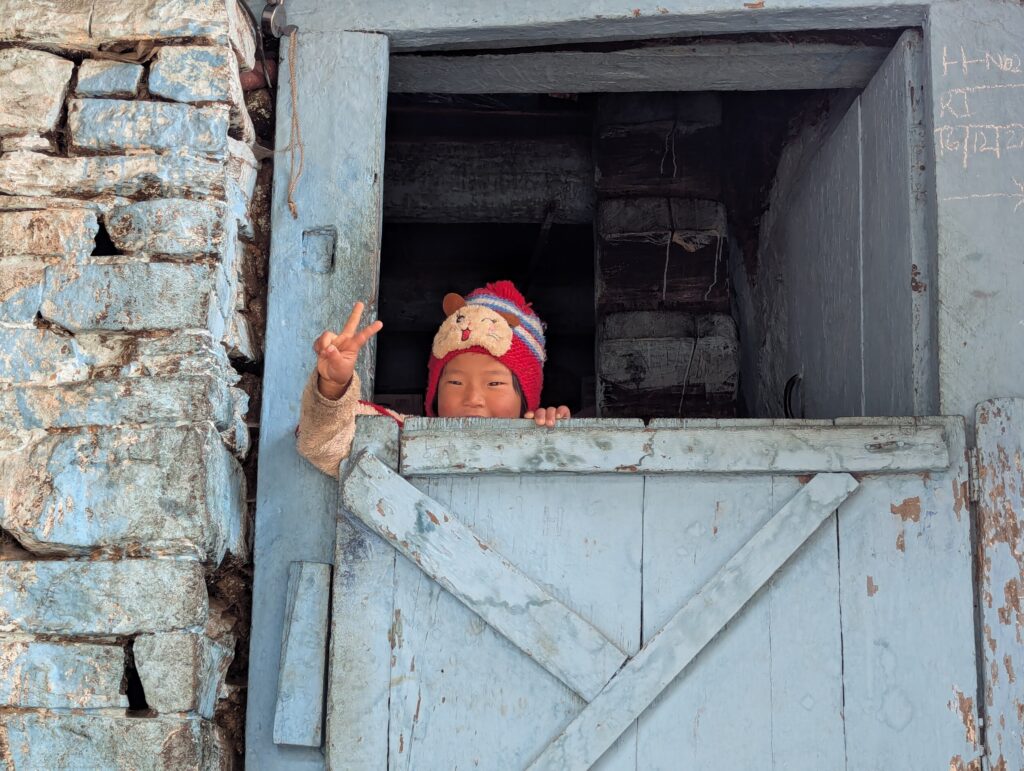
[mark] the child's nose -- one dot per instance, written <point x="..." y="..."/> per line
<point x="473" y="394"/>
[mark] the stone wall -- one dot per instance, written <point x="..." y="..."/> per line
<point x="131" y="262"/>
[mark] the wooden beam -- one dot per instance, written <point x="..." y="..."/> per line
<point x="591" y="447"/>
<point x="709" y="66"/>
<point x="338" y="203"/>
<point x="496" y="181"/>
<point x="425" y="532"/>
<point x="424" y="24"/>
<point x="299" y="714"/>
<point x="677" y="643"/>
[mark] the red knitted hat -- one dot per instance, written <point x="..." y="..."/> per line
<point x="497" y="321"/>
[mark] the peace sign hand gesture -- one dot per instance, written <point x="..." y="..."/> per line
<point x="337" y="353"/>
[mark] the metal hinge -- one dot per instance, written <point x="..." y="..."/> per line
<point x="974" y="480"/>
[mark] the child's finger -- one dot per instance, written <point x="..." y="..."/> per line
<point x="367" y="333"/>
<point x="562" y="412"/>
<point x="321" y="342"/>
<point x="528" y="415"/>
<point x="352" y="324"/>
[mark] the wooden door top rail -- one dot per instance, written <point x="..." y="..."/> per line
<point x="626" y="446"/>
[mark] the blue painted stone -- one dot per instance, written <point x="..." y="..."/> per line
<point x="115" y="125"/>
<point x="193" y="74"/>
<point x="122" y="400"/>
<point x="164" y="491"/>
<point x="30" y="355"/>
<point x="63" y="741"/>
<point x="168" y="226"/>
<point x="54" y="234"/>
<point x="51" y="675"/>
<point x="21" y="292"/>
<point x="25" y="173"/>
<point x="102" y="598"/>
<point x="130" y="296"/>
<point x="102" y="77"/>
<point x="181" y="671"/>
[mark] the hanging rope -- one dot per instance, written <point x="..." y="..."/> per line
<point x="295" y="148"/>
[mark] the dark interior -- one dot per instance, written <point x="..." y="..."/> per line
<point x="732" y="162"/>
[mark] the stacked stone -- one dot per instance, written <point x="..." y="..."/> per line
<point x="125" y="182"/>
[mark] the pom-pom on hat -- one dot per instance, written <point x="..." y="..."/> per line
<point x="495" y="320"/>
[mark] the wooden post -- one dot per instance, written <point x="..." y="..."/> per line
<point x="322" y="260"/>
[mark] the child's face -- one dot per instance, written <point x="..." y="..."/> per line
<point x="473" y="385"/>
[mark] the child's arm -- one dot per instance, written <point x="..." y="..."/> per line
<point x="327" y="426"/>
<point x="330" y="400"/>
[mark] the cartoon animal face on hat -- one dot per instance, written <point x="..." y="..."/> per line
<point x="495" y="320"/>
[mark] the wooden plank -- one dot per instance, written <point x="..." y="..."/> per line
<point x="455" y="676"/>
<point x="359" y="679"/>
<point x="766" y="693"/>
<point x="899" y="359"/>
<point x="342" y="81"/>
<point x="421" y="529"/>
<point x="481" y="24"/>
<point x="669" y="651"/>
<point x="299" y="714"/>
<point x="1000" y="487"/>
<point x="909" y="682"/>
<point x="517" y="446"/>
<point x="489" y="181"/>
<point x="705" y="66"/>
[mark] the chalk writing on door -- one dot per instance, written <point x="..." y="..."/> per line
<point x="985" y="60"/>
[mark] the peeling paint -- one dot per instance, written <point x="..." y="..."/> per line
<point x="909" y="510"/>
<point x="872" y="587"/>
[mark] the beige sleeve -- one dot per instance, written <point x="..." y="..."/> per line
<point x="326" y="426"/>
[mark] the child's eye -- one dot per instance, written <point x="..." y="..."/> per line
<point x="453" y="382"/>
<point x="497" y="383"/>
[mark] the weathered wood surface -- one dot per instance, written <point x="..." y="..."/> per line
<point x="767" y="691"/>
<point x="905" y="590"/>
<point x="477" y="24"/>
<point x="493" y="181"/>
<point x="359" y="675"/>
<point x="455" y="676"/>
<point x="705" y="66"/>
<point x="298" y="715"/>
<point x="1000" y="486"/>
<point x="486" y="582"/>
<point x="589" y="447"/>
<point x="345" y="76"/>
<point x="658" y="158"/>
<point x="899" y="357"/>
<point x="669" y="651"/>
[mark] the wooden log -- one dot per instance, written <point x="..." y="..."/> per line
<point x="626" y="216"/>
<point x="419" y="527"/>
<point x="298" y="716"/>
<point x="592" y="447"/>
<point x="658" y="158"/>
<point x="494" y="181"/>
<point x="684" y="270"/>
<point x="705" y="66"/>
<point x="666" y="654"/>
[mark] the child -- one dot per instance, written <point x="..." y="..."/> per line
<point x="487" y="361"/>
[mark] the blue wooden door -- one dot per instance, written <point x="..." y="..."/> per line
<point x="744" y="594"/>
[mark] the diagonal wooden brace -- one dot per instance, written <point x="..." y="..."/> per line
<point x="424" y="531"/>
<point x="632" y="689"/>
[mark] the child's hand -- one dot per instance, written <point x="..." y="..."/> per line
<point x="337" y="353"/>
<point x="548" y="416"/>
